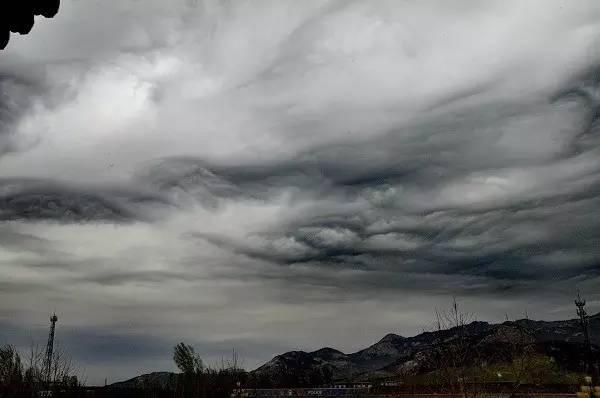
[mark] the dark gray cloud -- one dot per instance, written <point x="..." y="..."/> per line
<point x="188" y="180"/>
<point x="534" y="235"/>
<point x="48" y="200"/>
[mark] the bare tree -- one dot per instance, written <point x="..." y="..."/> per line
<point x="62" y="371"/>
<point x="455" y="359"/>
<point x="26" y="378"/>
<point x="34" y="375"/>
<point x="520" y="353"/>
<point x="11" y="371"/>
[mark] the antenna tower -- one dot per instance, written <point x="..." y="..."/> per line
<point x="50" y="346"/>
<point x="583" y="319"/>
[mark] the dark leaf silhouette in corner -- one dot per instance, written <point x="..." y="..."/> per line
<point x="17" y="16"/>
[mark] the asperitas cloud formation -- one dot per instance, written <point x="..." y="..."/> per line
<point x="264" y="174"/>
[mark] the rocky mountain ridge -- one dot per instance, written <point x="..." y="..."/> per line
<point x="561" y="340"/>
<point x="394" y="354"/>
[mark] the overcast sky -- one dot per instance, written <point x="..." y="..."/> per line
<point x="280" y="175"/>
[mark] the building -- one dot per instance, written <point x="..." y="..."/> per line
<point x="329" y="392"/>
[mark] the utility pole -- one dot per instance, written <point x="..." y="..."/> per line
<point x="50" y="348"/>
<point x="583" y="320"/>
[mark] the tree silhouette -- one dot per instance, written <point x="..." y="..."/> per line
<point x="186" y="359"/>
<point x="17" y="16"/>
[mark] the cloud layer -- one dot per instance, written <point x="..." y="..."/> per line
<point x="281" y="175"/>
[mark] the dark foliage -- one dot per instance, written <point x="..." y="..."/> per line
<point x="17" y="16"/>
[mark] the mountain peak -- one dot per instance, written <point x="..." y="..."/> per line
<point x="327" y="351"/>
<point x="390" y="338"/>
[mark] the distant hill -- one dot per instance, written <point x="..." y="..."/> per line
<point x="562" y="341"/>
<point x="162" y="380"/>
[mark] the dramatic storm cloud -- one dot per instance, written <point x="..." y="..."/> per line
<point x="277" y="175"/>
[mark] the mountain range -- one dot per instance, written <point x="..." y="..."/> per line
<point x="560" y="341"/>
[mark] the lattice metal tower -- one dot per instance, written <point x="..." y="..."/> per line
<point x="583" y="319"/>
<point x="50" y="347"/>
